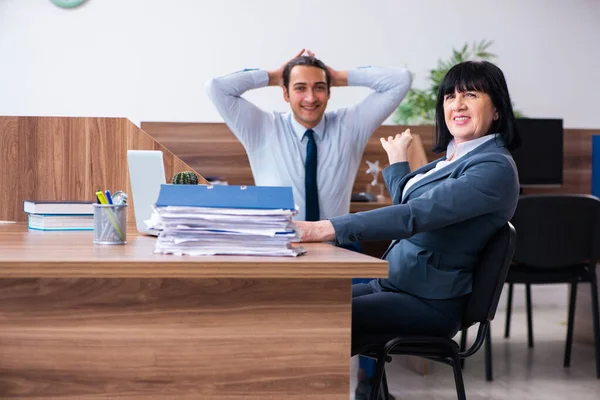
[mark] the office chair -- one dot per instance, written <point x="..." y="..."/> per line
<point x="488" y="279"/>
<point x="559" y="242"/>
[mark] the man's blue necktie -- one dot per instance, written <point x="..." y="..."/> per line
<point x="310" y="178"/>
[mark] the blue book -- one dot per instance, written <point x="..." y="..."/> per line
<point x="219" y="196"/>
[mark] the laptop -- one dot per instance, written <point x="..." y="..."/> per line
<point x="146" y="174"/>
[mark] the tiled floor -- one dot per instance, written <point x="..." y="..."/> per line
<point x="519" y="372"/>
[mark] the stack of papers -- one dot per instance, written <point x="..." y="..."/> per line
<point x="210" y="231"/>
<point x="210" y="220"/>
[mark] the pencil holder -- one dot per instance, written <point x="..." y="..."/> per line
<point x="110" y="223"/>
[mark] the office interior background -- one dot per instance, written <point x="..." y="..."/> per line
<point x="148" y="60"/>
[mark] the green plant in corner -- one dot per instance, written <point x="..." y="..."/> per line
<point x="418" y="107"/>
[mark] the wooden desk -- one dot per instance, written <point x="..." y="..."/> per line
<point x="87" y="321"/>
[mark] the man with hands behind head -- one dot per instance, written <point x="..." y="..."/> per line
<point x="315" y="152"/>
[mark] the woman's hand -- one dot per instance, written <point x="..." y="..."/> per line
<point x="397" y="147"/>
<point x="319" y="231"/>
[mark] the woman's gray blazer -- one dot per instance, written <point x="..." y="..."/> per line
<point x="443" y="221"/>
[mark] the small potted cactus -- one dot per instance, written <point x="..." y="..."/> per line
<point x="185" y="178"/>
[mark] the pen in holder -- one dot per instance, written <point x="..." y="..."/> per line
<point x="110" y="223"/>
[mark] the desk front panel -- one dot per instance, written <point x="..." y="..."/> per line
<point x="174" y="338"/>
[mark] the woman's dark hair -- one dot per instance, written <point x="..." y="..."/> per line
<point x="306" y="61"/>
<point x="481" y="76"/>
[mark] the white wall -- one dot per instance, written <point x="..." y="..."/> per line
<point x="149" y="59"/>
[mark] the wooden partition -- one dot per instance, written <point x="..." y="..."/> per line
<point x="205" y="146"/>
<point x="577" y="162"/>
<point x="66" y="158"/>
<point x="213" y="150"/>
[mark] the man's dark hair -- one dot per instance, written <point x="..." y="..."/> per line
<point x="306" y="61"/>
<point x="481" y="76"/>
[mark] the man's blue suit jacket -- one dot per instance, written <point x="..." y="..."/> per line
<point x="443" y="222"/>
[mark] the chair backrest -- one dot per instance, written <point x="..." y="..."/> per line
<point x="489" y="276"/>
<point x="557" y="230"/>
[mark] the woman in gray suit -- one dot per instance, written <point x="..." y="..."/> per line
<point x="443" y="213"/>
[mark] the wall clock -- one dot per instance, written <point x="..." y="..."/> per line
<point x="67" y="3"/>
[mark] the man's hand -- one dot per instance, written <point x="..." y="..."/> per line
<point x="338" y="78"/>
<point x="319" y="231"/>
<point x="397" y="147"/>
<point x="276" y="75"/>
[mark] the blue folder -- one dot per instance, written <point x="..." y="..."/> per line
<point x="220" y="196"/>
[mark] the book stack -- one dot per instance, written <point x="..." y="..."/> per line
<point x="59" y="215"/>
<point x="235" y="220"/>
